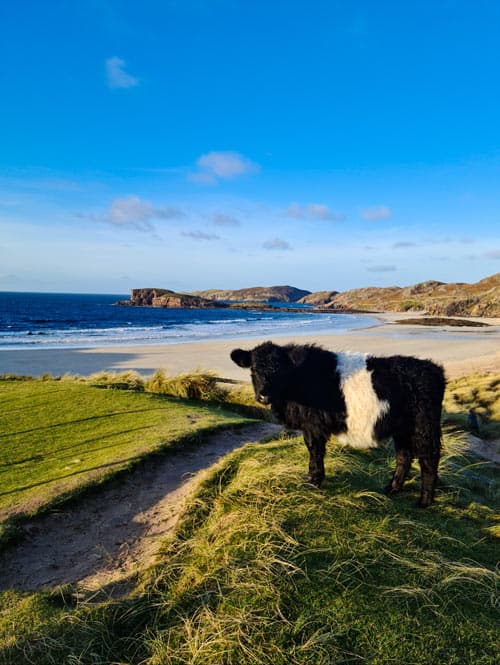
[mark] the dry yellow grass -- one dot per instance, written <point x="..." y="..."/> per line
<point x="479" y="392"/>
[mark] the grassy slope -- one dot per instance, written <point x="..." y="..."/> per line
<point x="264" y="569"/>
<point x="439" y="299"/>
<point x="480" y="392"/>
<point x="57" y="436"/>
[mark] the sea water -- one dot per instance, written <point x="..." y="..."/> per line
<point x="62" y="320"/>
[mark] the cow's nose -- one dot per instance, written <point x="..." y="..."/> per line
<point x="264" y="399"/>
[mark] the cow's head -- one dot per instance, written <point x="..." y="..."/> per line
<point x="271" y="369"/>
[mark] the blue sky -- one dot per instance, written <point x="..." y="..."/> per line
<point x="198" y="144"/>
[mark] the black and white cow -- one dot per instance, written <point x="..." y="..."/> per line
<point x="361" y="399"/>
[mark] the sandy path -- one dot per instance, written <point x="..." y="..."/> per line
<point x="106" y="538"/>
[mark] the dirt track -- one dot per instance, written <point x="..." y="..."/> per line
<point x="107" y="537"/>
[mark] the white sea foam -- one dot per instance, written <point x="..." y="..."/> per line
<point x="117" y="326"/>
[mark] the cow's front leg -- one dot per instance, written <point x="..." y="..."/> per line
<point x="316" y="447"/>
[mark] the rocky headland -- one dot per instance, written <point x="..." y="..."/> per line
<point x="433" y="298"/>
<point x="167" y="298"/>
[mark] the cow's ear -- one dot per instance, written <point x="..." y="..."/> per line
<point x="241" y="357"/>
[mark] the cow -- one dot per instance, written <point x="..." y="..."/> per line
<point x="359" y="398"/>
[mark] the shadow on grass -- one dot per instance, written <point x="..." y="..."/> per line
<point x="95" y="528"/>
<point x="360" y="559"/>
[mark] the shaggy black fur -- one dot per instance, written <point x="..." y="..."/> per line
<point x="302" y="385"/>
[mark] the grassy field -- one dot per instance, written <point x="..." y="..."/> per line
<point x="262" y="569"/>
<point x="57" y="436"/>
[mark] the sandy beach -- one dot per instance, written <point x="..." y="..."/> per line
<point x="461" y="350"/>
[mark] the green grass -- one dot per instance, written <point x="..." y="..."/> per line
<point x="57" y="436"/>
<point x="264" y="569"/>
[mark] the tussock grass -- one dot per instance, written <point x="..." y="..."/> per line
<point x="480" y="392"/>
<point x="193" y="385"/>
<point x="122" y="381"/>
<point x="265" y="569"/>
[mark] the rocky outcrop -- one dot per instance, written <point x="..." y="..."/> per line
<point x="262" y="294"/>
<point x="167" y="298"/>
<point x="318" y="298"/>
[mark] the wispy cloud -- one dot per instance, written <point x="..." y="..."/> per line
<point x="117" y="76"/>
<point x="382" y="268"/>
<point x="493" y="254"/>
<point x="318" y="211"/>
<point x="277" y="244"/>
<point x="225" y="220"/>
<point x="376" y="214"/>
<point x="200" y="235"/>
<point x="403" y="244"/>
<point x="133" y="212"/>
<point x="224" y="165"/>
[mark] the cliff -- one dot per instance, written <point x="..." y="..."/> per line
<point x="263" y="294"/>
<point x="167" y="298"/>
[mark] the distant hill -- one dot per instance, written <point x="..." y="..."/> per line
<point x="260" y="294"/>
<point x="318" y="298"/>
<point x="437" y="298"/>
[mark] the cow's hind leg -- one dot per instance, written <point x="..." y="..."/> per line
<point x="429" y="469"/>
<point x="316" y="446"/>
<point x="403" y="463"/>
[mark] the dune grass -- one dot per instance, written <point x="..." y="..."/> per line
<point x="57" y="436"/>
<point x="480" y="392"/>
<point x="264" y="569"/>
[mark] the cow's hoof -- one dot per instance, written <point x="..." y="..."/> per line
<point x="389" y="490"/>
<point x="316" y="481"/>
<point x="424" y="503"/>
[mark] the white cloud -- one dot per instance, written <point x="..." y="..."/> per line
<point x="136" y="213"/>
<point x="314" y="211"/>
<point x="225" y="165"/>
<point x="200" y="235"/>
<point x="383" y="268"/>
<point x="225" y="220"/>
<point x="375" y="214"/>
<point x="277" y="244"/>
<point x="320" y="211"/>
<point x="117" y="76"/>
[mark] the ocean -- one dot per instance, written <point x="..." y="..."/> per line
<point x="63" y="320"/>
